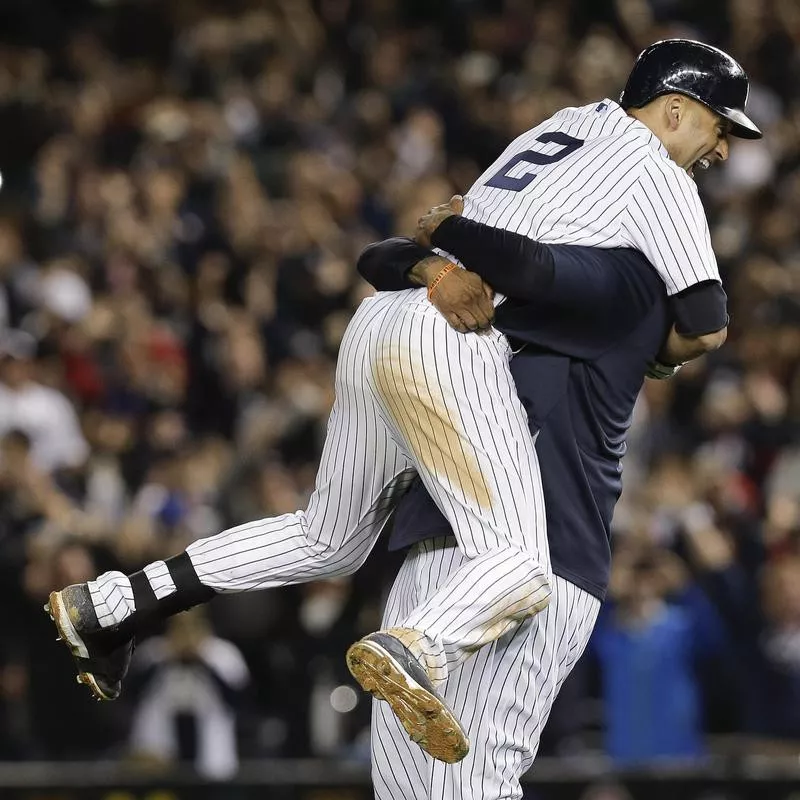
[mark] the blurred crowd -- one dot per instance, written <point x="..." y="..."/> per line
<point x="186" y="189"/>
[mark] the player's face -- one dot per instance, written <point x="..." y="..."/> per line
<point x="702" y="138"/>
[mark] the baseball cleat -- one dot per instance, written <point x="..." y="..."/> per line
<point x="386" y="669"/>
<point x="101" y="657"/>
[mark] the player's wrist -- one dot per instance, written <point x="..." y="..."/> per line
<point x="425" y="272"/>
<point x="440" y="276"/>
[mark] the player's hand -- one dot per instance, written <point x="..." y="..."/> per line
<point x="465" y="301"/>
<point x="428" y="223"/>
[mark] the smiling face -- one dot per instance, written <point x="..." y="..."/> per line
<point x="695" y="136"/>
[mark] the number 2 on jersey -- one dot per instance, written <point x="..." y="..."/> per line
<point x="502" y="180"/>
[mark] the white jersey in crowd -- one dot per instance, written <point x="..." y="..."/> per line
<point x="596" y="176"/>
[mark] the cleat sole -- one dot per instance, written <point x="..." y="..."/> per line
<point x="67" y="634"/>
<point x="426" y="718"/>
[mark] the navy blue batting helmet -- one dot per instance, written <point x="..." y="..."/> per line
<point x="694" y="69"/>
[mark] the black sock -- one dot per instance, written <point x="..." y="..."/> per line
<point x="189" y="592"/>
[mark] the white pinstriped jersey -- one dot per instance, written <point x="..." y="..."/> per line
<point x="596" y="176"/>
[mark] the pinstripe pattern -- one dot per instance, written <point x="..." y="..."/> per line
<point x="412" y="396"/>
<point x="502" y="696"/>
<point x="112" y="594"/>
<point x="449" y="399"/>
<point x="160" y="579"/>
<point x="620" y="189"/>
<point x="112" y="597"/>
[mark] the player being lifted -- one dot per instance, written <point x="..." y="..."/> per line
<point x="413" y="396"/>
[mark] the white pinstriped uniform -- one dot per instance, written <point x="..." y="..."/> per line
<point x="502" y="695"/>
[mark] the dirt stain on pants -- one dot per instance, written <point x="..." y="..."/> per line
<point x="428" y="419"/>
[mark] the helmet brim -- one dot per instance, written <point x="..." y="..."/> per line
<point x="743" y="126"/>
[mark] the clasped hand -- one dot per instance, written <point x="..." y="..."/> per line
<point x="462" y="297"/>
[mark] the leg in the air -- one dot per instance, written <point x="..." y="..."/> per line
<point x="362" y="474"/>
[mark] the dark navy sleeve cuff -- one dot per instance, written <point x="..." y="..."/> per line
<point x="700" y="309"/>
<point x="386" y="264"/>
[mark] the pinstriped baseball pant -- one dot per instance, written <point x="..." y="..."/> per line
<point x="502" y="696"/>
<point x="412" y="396"/>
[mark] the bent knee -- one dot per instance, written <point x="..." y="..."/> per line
<point x="534" y="585"/>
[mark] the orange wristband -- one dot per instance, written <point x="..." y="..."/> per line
<point x="443" y="273"/>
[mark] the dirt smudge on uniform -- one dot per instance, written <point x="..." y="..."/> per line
<point x="420" y="412"/>
<point x="506" y="617"/>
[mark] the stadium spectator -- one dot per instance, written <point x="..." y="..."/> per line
<point x="188" y="687"/>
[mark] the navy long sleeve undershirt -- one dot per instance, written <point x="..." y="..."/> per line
<point x="510" y="263"/>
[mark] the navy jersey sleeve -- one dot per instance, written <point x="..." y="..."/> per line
<point x="596" y="298"/>
<point x="601" y="284"/>
<point x="386" y="264"/>
<point x="510" y="263"/>
<point x="700" y="309"/>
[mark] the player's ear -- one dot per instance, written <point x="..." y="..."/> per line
<point x="675" y="108"/>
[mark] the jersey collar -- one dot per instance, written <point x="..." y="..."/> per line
<point x="655" y="143"/>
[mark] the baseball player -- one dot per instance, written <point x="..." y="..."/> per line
<point x="409" y="401"/>
<point x="605" y="175"/>
<point x="583" y="357"/>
